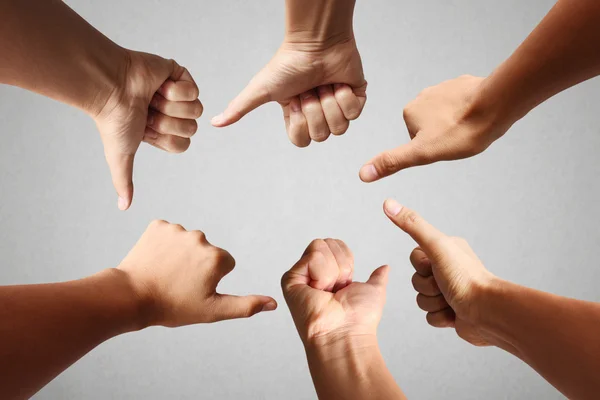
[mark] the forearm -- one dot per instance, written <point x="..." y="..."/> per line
<point x="351" y="369"/>
<point x="561" y="52"/>
<point x="49" y="49"/>
<point x="556" y="336"/>
<point x="46" y="328"/>
<point x="319" y="21"/>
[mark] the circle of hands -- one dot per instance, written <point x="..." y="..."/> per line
<point x="173" y="271"/>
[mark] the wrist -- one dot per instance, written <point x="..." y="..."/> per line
<point x="137" y="306"/>
<point x="341" y="346"/>
<point x="320" y="24"/>
<point x="487" y="113"/>
<point x="352" y="359"/>
<point x="488" y="299"/>
<point x="499" y="101"/>
<point x="106" y="69"/>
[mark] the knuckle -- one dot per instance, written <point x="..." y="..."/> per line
<point x="416" y="282"/>
<point x="177" y="227"/>
<point x="193" y="92"/>
<point x="387" y="163"/>
<point x="409" y="219"/>
<point x="224" y="259"/>
<point x="460" y="332"/>
<point x="157" y="223"/>
<point x="198" y="110"/>
<point x="300" y="142"/>
<point x="191" y="127"/>
<point x="432" y="286"/>
<point x="406" y="113"/>
<point x="315" y="256"/>
<point x="426" y="91"/>
<point x="327" y="100"/>
<point x="199" y="236"/>
<point x="419" y="300"/>
<point x="423" y="152"/>
<point x="340" y="129"/>
<point x="320" y="136"/>
<point x="317" y="244"/>
<point x="310" y="105"/>
<point x="177" y="144"/>
<point x="284" y="280"/>
<point x="431" y="320"/>
<point x="460" y="241"/>
<point x="354" y="113"/>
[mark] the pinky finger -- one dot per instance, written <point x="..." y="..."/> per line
<point x="349" y="103"/>
<point x="298" y="126"/>
<point x="442" y="319"/>
<point x="168" y="143"/>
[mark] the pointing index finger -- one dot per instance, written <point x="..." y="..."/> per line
<point x="426" y="235"/>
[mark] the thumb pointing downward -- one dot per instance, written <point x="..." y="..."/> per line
<point x="252" y="97"/>
<point x="121" y="169"/>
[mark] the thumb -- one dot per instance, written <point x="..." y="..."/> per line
<point x="379" y="277"/>
<point x="233" y="307"/>
<point x="121" y="170"/>
<point x="389" y="162"/>
<point x="253" y="96"/>
<point x="427" y="236"/>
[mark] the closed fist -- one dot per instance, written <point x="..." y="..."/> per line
<point x="155" y="100"/>
<point x="325" y="303"/>
<point x="320" y="91"/>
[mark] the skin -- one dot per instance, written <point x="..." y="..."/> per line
<point x="133" y="97"/>
<point x="461" y="118"/>
<point x="556" y="336"/>
<point x="337" y="321"/>
<point x="169" y="278"/>
<point x="316" y="75"/>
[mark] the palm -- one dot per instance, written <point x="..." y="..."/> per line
<point x="357" y="308"/>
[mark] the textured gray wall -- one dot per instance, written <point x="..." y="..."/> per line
<point x="528" y="206"/>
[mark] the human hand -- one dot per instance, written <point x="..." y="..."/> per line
<point x="324" y="302"/>
<point x="316" y="75"/>
<point x="449" y="278"/>
<point x="445" y="122"/>
<point x="175" y="274"/>
<point x="154" y="100"/>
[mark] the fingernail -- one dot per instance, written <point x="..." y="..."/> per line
<point x="150" y="134"/>
<point x="150" y="120"/>
<point x="368" y="173"/>
<point x="392" y="207"/>
<point x="295" y="105"/>
<point x="217" y="120"/>
<point x="270" y="306"/>
<point x="122" y="204"/>
<point x="307" y="95"/>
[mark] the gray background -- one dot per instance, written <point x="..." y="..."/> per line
<point x="528" y="206"/>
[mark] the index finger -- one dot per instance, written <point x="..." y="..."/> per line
<point x="426" y="235"/>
